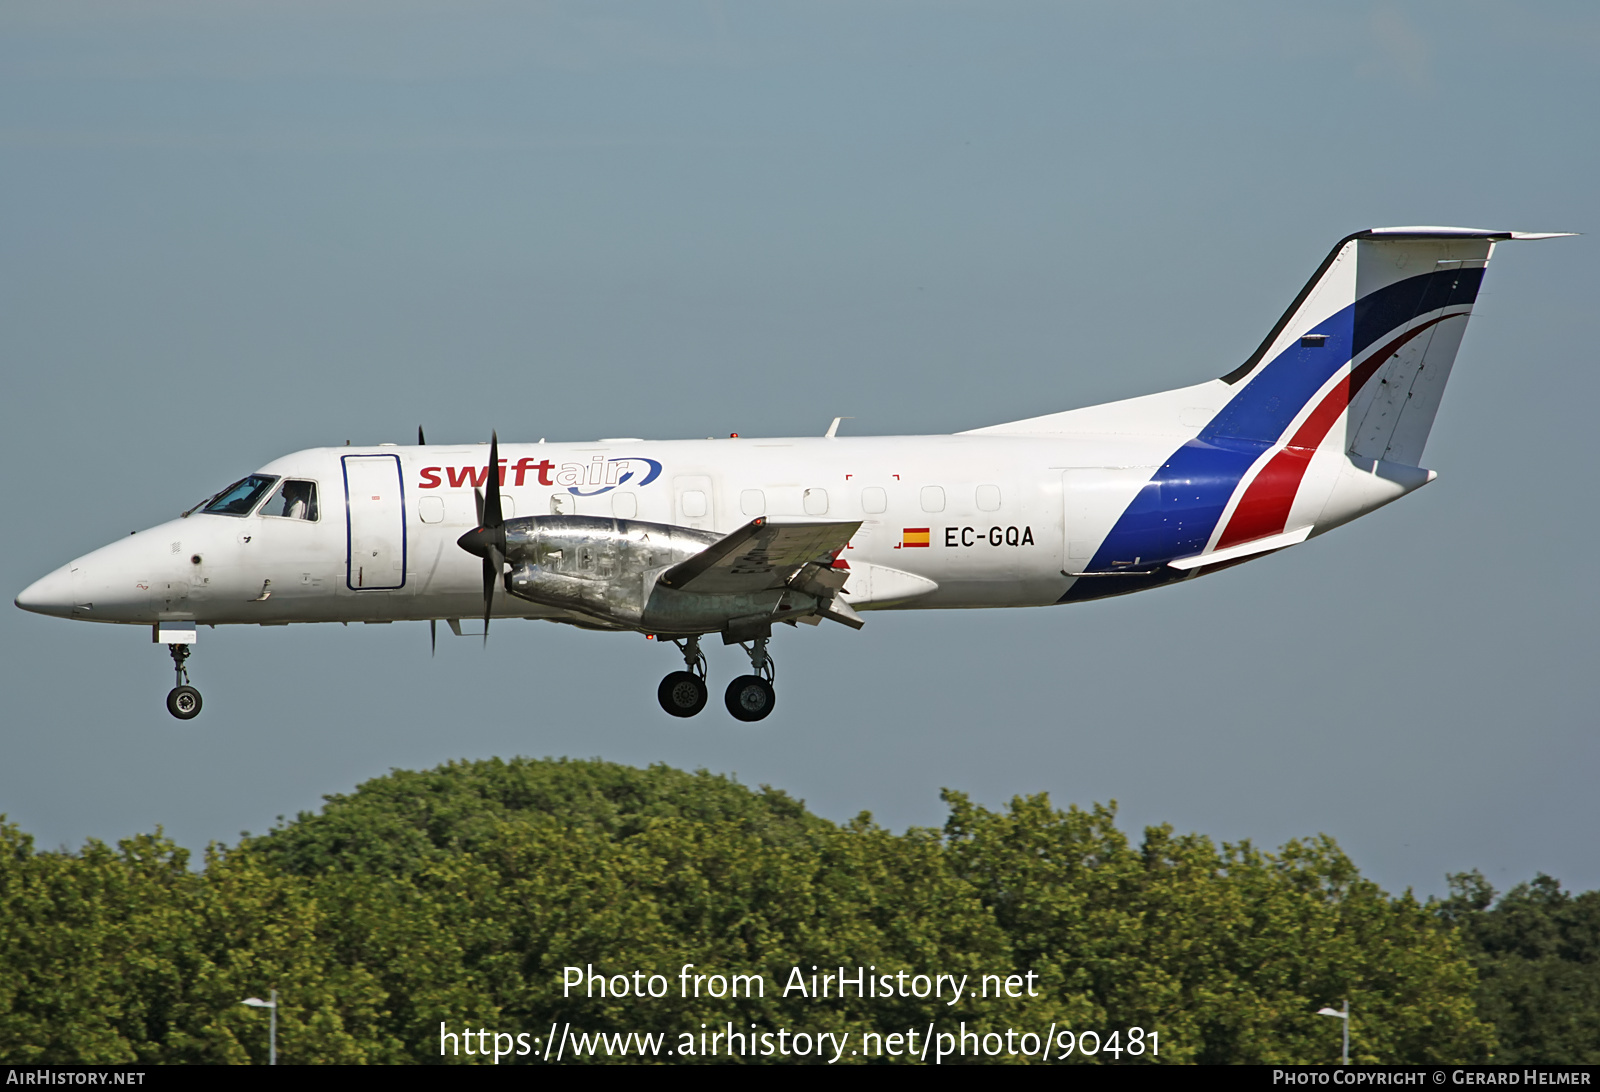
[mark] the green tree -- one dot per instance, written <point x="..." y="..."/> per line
<point x="1227" y="953"/>
<point x="458" y="896"/>
<point x="95" y="947"/>
<point x="1538" y="957"/>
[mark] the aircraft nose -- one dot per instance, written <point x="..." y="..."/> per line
<point x="51" y="594"/>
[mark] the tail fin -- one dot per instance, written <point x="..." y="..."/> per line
<point x="1355" y="369"/>
<point x="1368" y="344"/>
<point x="1388" y="304"/>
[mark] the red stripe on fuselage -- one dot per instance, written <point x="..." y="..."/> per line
<point x="1264" y="508"/>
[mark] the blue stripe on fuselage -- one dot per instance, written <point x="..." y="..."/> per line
<point x="1176" y="512"/>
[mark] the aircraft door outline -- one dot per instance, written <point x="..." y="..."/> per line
<point x="375" y="524"/>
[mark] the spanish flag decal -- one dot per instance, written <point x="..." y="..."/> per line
<point x="914" y="536"/>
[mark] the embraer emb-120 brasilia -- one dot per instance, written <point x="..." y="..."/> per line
<point x="682" y="539"/>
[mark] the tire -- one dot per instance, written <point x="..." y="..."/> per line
<point x="183" y="702"/>
<point x="682" y="693"/>
<point x="750" y="698"/>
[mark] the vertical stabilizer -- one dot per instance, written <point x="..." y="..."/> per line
<point x="1357" y="365"/>
<point x="1381" y="320"/>
<point x="1352" y="373"/>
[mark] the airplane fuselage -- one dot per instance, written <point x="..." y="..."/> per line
<point x="973" y="520"/>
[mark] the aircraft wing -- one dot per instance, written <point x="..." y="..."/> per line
<point x="764" y="554"/>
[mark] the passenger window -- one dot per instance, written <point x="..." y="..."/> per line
<point x="988" y="498"/>
<point x="431" y="509"/>
<point x="932" y="498"/>
<point x="753" y="502"/>
<point x="816" y="502"/>
<point x="240" y="497"/>
<point x="694" y="503"/>
<point x="624" y="505"/>
<point x="874" y="500"/>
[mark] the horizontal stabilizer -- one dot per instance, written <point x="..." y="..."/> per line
<point x="1430" y="231"/>
<point x="1243" y="549"/>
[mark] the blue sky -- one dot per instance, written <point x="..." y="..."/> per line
<point x="238" y="229"/>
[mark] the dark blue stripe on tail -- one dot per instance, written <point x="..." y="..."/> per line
<point x="1176" y="512"/>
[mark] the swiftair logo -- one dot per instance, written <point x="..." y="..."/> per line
<point x="598" y="475"/>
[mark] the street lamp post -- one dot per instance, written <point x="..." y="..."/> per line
<point x="1345" y="1016"/>
<point x="272" y="1034"/>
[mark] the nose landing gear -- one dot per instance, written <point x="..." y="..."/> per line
<point x="183" y="700"/>
<point x="751" y="697"/>
<point x="683" y="693"/>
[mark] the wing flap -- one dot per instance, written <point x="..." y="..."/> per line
<point x="763" y="555"/>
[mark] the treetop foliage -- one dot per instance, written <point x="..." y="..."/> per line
<point x="459" y="894"/>
<point x="1537" y="954"/>
<point x="393" y="825"/>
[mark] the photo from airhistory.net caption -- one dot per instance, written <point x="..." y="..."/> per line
<point x="749" y="1040"/>
<point x="939" y="1042"/>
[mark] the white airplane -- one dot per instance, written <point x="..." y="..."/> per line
<point x="680" y="539"/>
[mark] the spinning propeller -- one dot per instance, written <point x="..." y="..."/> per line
<point x="488" y="539"/>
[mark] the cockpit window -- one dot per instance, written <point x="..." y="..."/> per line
<point x="294" y="499"/>
<point x="241" y="496"/>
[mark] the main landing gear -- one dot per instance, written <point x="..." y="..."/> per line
<point x="749" y="697"/>
<point x="183" y="700"/>
<point x="683" y="693"/>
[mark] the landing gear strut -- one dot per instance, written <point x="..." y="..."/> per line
<point x="751" y="697"/>
<point x="183" y="700"/>
<point x="683" y="693"/>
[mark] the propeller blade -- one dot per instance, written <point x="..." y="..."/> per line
<point x="494" y="563"/>
<point x="492" y="518"/>
<point x="433" y="636"/>
<point x="420" y="441"/>
<point x="488" y="539"/>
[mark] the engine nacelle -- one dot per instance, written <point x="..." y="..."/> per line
<point x="593" y="565"/>
<point x="606" y="570"/>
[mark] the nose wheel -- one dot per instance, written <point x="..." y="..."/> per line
<point x="683" y="693"/>
<point x="751" y="697"/>
<point x="183" y="700"/>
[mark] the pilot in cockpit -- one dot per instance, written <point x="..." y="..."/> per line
<point x="298" y="499"/>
